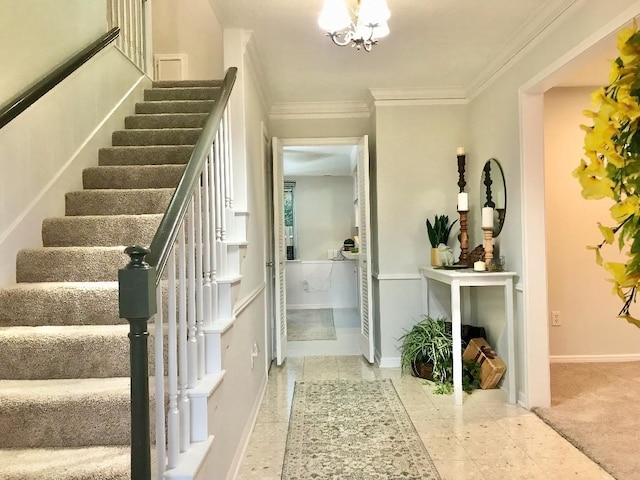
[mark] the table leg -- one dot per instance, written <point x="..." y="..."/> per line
<point x="457" y="341"/>
<point x="511" y="339"/>
<point x="425" y="295"/>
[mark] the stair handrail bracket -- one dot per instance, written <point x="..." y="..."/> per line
<point x="187" y="244"/>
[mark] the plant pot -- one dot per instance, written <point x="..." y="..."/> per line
<point x="435" y="257"/>
<point x="422" y="370"/>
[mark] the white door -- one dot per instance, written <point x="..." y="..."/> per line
<point x="279" y="254"/>
<point x="271" y="327"/>
<point x="364" y="263"/>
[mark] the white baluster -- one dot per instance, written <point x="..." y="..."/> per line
<point x="212" y="213"/>
<point x="183" y="400"/>
<point x="173" y="416"/>
<point x="158" y="338"/>
<point x="192" y="346"/>
<point x="227" y="156"/>
<point x="199" y="281"/>
<point x="208" y="235"/>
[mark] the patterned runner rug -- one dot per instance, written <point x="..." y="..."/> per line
<point x="315" y="324"/>
<point x="353" y="430"/>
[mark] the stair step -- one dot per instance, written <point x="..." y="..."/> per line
<point x="118" y="201"/>
<point x="64" y="412"/>
<point x="89" y="463"/>
<point x="99" y="230"/>
<point x="67" y="303"/>
<point x="181" y="93"/>
<point x="158" y="136"/>
<point x="70" y="264"/>
<point x="145" y="155"/>
<point x="167" y="120"/>
<point x="178" y="106"/>
<point x="40" y="353"/>
<point x="132" y="176"/>
<point x="186" y="83"/>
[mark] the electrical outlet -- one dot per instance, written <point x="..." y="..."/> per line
<point x="254" y="352"/>
<point x="555" y="318"/>
<point x="305" y="286"/>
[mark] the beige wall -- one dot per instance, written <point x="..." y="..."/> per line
<point x="324" y="214"/>
<point x="577" y="287"/>
<point x="64" y="130"/>
<point x="319" y="127"/>
<point x="189" y="27"/>
<point x="38" y="35"/>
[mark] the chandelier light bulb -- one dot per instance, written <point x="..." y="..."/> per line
<point x="373" y="12"/>
<point x="334" y="16"/>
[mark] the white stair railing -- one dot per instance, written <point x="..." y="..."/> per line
<point x="133" y="18"/>
<point x="189" y="243"/>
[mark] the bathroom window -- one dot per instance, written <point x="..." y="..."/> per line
<point x="289" y="219"/>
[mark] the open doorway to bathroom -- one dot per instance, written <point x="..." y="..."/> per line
<point x="321" y="276"/>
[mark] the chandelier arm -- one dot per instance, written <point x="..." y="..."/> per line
<point x="346" y="38"/>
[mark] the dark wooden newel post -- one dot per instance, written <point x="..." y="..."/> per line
<point x="137" y="303"/>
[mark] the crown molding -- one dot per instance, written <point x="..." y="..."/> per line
<point x="387" y="97"/>
<point x="319" y="110"/>
<point x="541" y="24"/>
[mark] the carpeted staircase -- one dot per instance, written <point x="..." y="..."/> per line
<point x="64" y="354"/>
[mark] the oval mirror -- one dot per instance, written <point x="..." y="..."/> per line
<point x="493" y="193"/>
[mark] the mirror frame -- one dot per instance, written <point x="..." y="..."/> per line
<point x="487" y="194"/>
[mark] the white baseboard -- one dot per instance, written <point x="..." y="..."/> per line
<point x="389" y="362"/>
<point x="623" y="357"/>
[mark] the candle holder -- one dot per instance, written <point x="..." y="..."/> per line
<point x="464" y="238"/>
<point x="488" y="246"/>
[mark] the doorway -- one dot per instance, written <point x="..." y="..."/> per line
<point x="325" y="224"/>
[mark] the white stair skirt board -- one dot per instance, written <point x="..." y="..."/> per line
<point x="238" y="226"/>
<point x="236" y="252"/>
<point x="215" y="345"/>
<point x="190" y="462"/>
<point x="630" y="357"/>
<point x="228" y="290"/>
<point x="198" y="401"/>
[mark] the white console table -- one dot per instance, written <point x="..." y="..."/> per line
<point x="469" y="278"/>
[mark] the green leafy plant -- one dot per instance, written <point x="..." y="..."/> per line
<point x="470" y="378"/>
<point x="439" y="231"/>
<point x="428" y="341"/>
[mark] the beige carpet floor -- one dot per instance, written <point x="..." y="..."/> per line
<point x="310" y="324"/>
<point x="595" y="406"/>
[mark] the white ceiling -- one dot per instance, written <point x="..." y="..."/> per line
<point x="434" y="44"/>
<point x="318" y="160"/>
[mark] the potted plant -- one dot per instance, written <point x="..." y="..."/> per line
<point x="426" y="349"/>
<point x="438" y="234"/>
<point x="427" y="352"/>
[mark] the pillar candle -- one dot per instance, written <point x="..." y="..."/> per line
<point x="460" y="151"/>
<point x="463" y="202"/>
<point x="479" y="266"/>
<point x="487" y="217"/>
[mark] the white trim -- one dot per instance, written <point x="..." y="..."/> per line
<point x="621" y="357"/>
<point x="319" y="110"/>
<point x="394" y="97"/>
<point x="522" y="399"/>
<point x="9" y="230"/>
<point x="248" y="299"/>
<point x="396" y="276"/>
<point x="207" y="385"/>
<point x="519" y="287"/>
<point x="389" y="362"/>
<point x="191" y="461"/>
<point x="544" y="21"/>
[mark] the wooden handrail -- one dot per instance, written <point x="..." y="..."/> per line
<point x="33" y="93"/>
<point x="168" y="229"/>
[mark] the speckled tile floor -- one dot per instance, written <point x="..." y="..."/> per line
<point x="484" y="439"/>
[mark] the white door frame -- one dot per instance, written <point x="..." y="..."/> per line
<point x="315" y="141"/>
<point x="534" y="277"/>
<point x="269" y="315"/>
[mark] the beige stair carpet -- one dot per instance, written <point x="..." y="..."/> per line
<point x="64" y="354"/>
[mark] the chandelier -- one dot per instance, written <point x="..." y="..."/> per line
<point x="360" y="28"/>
